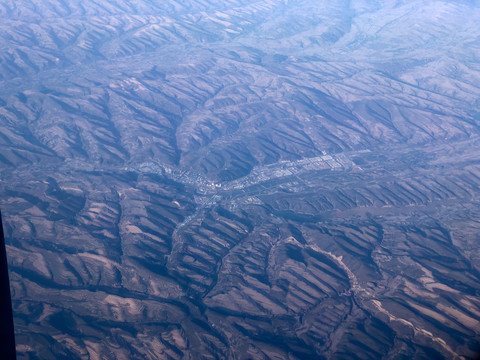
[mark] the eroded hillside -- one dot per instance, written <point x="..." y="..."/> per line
<point x="242" y="179"/>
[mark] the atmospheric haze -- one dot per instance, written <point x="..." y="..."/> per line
<point x="241" y="179"/>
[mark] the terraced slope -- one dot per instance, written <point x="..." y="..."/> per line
<point x="242" y="179"/>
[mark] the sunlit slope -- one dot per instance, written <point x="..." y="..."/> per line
<point x="241" y="179"/>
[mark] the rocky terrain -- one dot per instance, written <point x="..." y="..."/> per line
<point x="242" y="179"/>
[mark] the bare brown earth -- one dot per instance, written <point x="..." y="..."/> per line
<point x="242" y="179"/>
